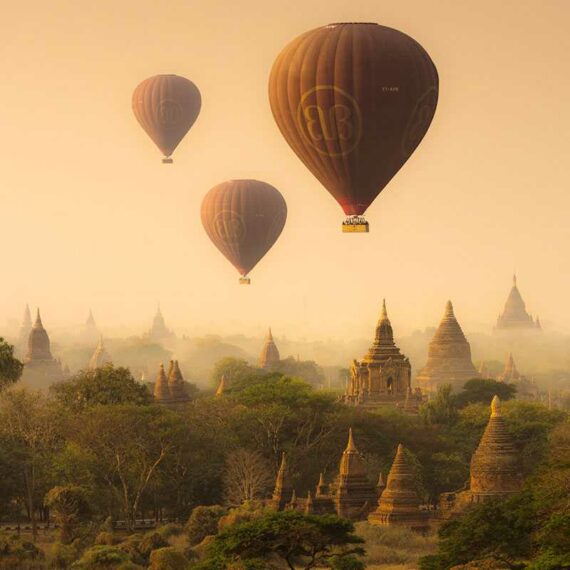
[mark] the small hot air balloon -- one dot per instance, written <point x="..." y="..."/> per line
<point x="166" y="106"/>
<point x="244" y="218"/>
<point x="353" y="101"/>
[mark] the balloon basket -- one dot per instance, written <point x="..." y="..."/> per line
<point x="244" y="281"/>
<point x="355" y="225"/>
<point x="167" y="160"/>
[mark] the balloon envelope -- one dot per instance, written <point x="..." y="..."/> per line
<point x="244" y="218"/>
<point x="353" y="101"/>
<point x="166" y="106"/>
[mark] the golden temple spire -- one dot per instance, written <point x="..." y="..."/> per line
<point x="350" y="446"/>
<point x="384" y="314"/>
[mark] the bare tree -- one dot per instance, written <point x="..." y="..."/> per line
<point x="247" y="476"/>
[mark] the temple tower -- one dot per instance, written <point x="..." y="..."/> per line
<point x="100" y="356"/>
<point x="383" y="376"/>
<point x="399" y="503"/>
<point x="514" y="316"/>
<point x="161" y="391"/>
<point x="90" y="333"/>
<point x="495" y="469"/>
<point x="510" y="372"/>
<point x="354" y="495"/>
<point x="283" y="494"/>
<point x="269" y="356"/>
<point x="176" y="385"/>
<point x="159" y="331"/>
<point x="449" y="356"/>
<point x="38" y="343"/>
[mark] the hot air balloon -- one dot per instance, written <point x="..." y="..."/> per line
<point x="244" y="218"/>
<point x="353" y="101"/>
<point x="166" y="106"/>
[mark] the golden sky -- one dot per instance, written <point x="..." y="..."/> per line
<point x="90" y="217"/>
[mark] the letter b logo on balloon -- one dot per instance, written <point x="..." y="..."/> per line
<point x="169" y="113"/>
<point x="330" y="120"/>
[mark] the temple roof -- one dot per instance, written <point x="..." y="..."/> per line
<point x="38" y="342"/>
<point x="90" y="322"/>
<point x="514" y="314"/>
<point x="351" y="462"/>
<point x="510" y="372"/>
<point x="159" y="330"/>
<point x="176" y="383"/>
<point x="269" y="353"/>
<point x="383" y="346"/>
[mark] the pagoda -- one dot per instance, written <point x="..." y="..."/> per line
<point x="269" y="357"/>
<point x="354" y="495"/>
<point x="90" y="334"/>
<point x="176" y="384"/>
<point x="39" y="364"/>
<point x="495" y="468"/>
<point x="283" y="493"/>
<point x="526" y="389"/>
<point x="399" y="503"/>
<point x="510" y="373"/>
<point x="514" y="316"/>
<point x="449" y="356"/>
<point x="100" y="357"/>
<point x="383" y="376"/>
<point x="161" y="391"/>
<point x="159" y="332"/>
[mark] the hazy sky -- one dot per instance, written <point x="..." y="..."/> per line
<point x="90" y="217"/>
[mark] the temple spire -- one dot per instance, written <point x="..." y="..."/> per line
<point x="38" y="324"/>
<point x="161" y="392"/>
<point x="269" y="356"/>
<point x="496" y="407"/>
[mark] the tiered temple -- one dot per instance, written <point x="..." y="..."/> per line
<point x="269" y="356"/>
<point x="100" y="356"/>
<point x="383" y="376"/>
<point x="351" y="495"/>
<point x="495" y="469"/>
<point x="159" y="332"/>
<point x="449" y="356"/>
<point x="399" y="503"/>
<point x="161" y="391"/>
<point x="514" y="317"/>
<point x="39" y="364"/>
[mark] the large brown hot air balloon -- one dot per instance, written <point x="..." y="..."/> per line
<point x="353" y="101"/>
<point x="166" y="106"/>
<point x="244" y="218"/>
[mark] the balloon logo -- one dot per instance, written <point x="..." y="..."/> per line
<point x="169" y="113"/>
<point x="419" y="121"/>
<point x="330" y="120"/>
<point x="229" y="227"/>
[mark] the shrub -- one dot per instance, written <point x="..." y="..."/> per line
<point x="169" y="530"/>
<point x="168" y="559"/>
<point x="203" y="522"/>
<point x="105" y="538"/>
<point x="151" y="541"/>
<point x="63" y="555"/>
<point x="101" y="557"/>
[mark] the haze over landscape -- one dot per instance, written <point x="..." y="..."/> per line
<point x="92" y="219"/>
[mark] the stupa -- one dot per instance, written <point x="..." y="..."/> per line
<point x="354" y="495"/>
<point x="510" y="372"/>
<point x="283" y="491"/>
<point x="495" y="469"/>
<point x="399" y="503"/>
<point x="176" y="384"/>
<point x="383" y="376"/>
<point x="161" y="391"/>
<point x="159" y="332"/>
<point x="514" y="316"/>
<point x="449" y="356"/>
<point x="90" y="334"/>
<point x="39" y="364"/>
<point x="269" y="356"/>
<point x="526" y="389"/>
<point x="100" y="356"/>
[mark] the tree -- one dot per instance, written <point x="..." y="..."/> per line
<point x="235" y="371"/>
<point x="482" y="391"/>
<point x="441" y="409"/>
<point x="10" y="368"/>
<point x="299" y="541"/>
<point x="101" y="386"/>
<point x="68" y="505"/>
<point x="307" y="370"/>
<point x="26" y="422"/>
<point x="247" y="477"/>
<point x="129" y="443"/>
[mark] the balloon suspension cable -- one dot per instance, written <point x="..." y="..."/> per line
<point x="245" y="280"/>
<point x="355" y="225"/>
<point x="167" y="160"/>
